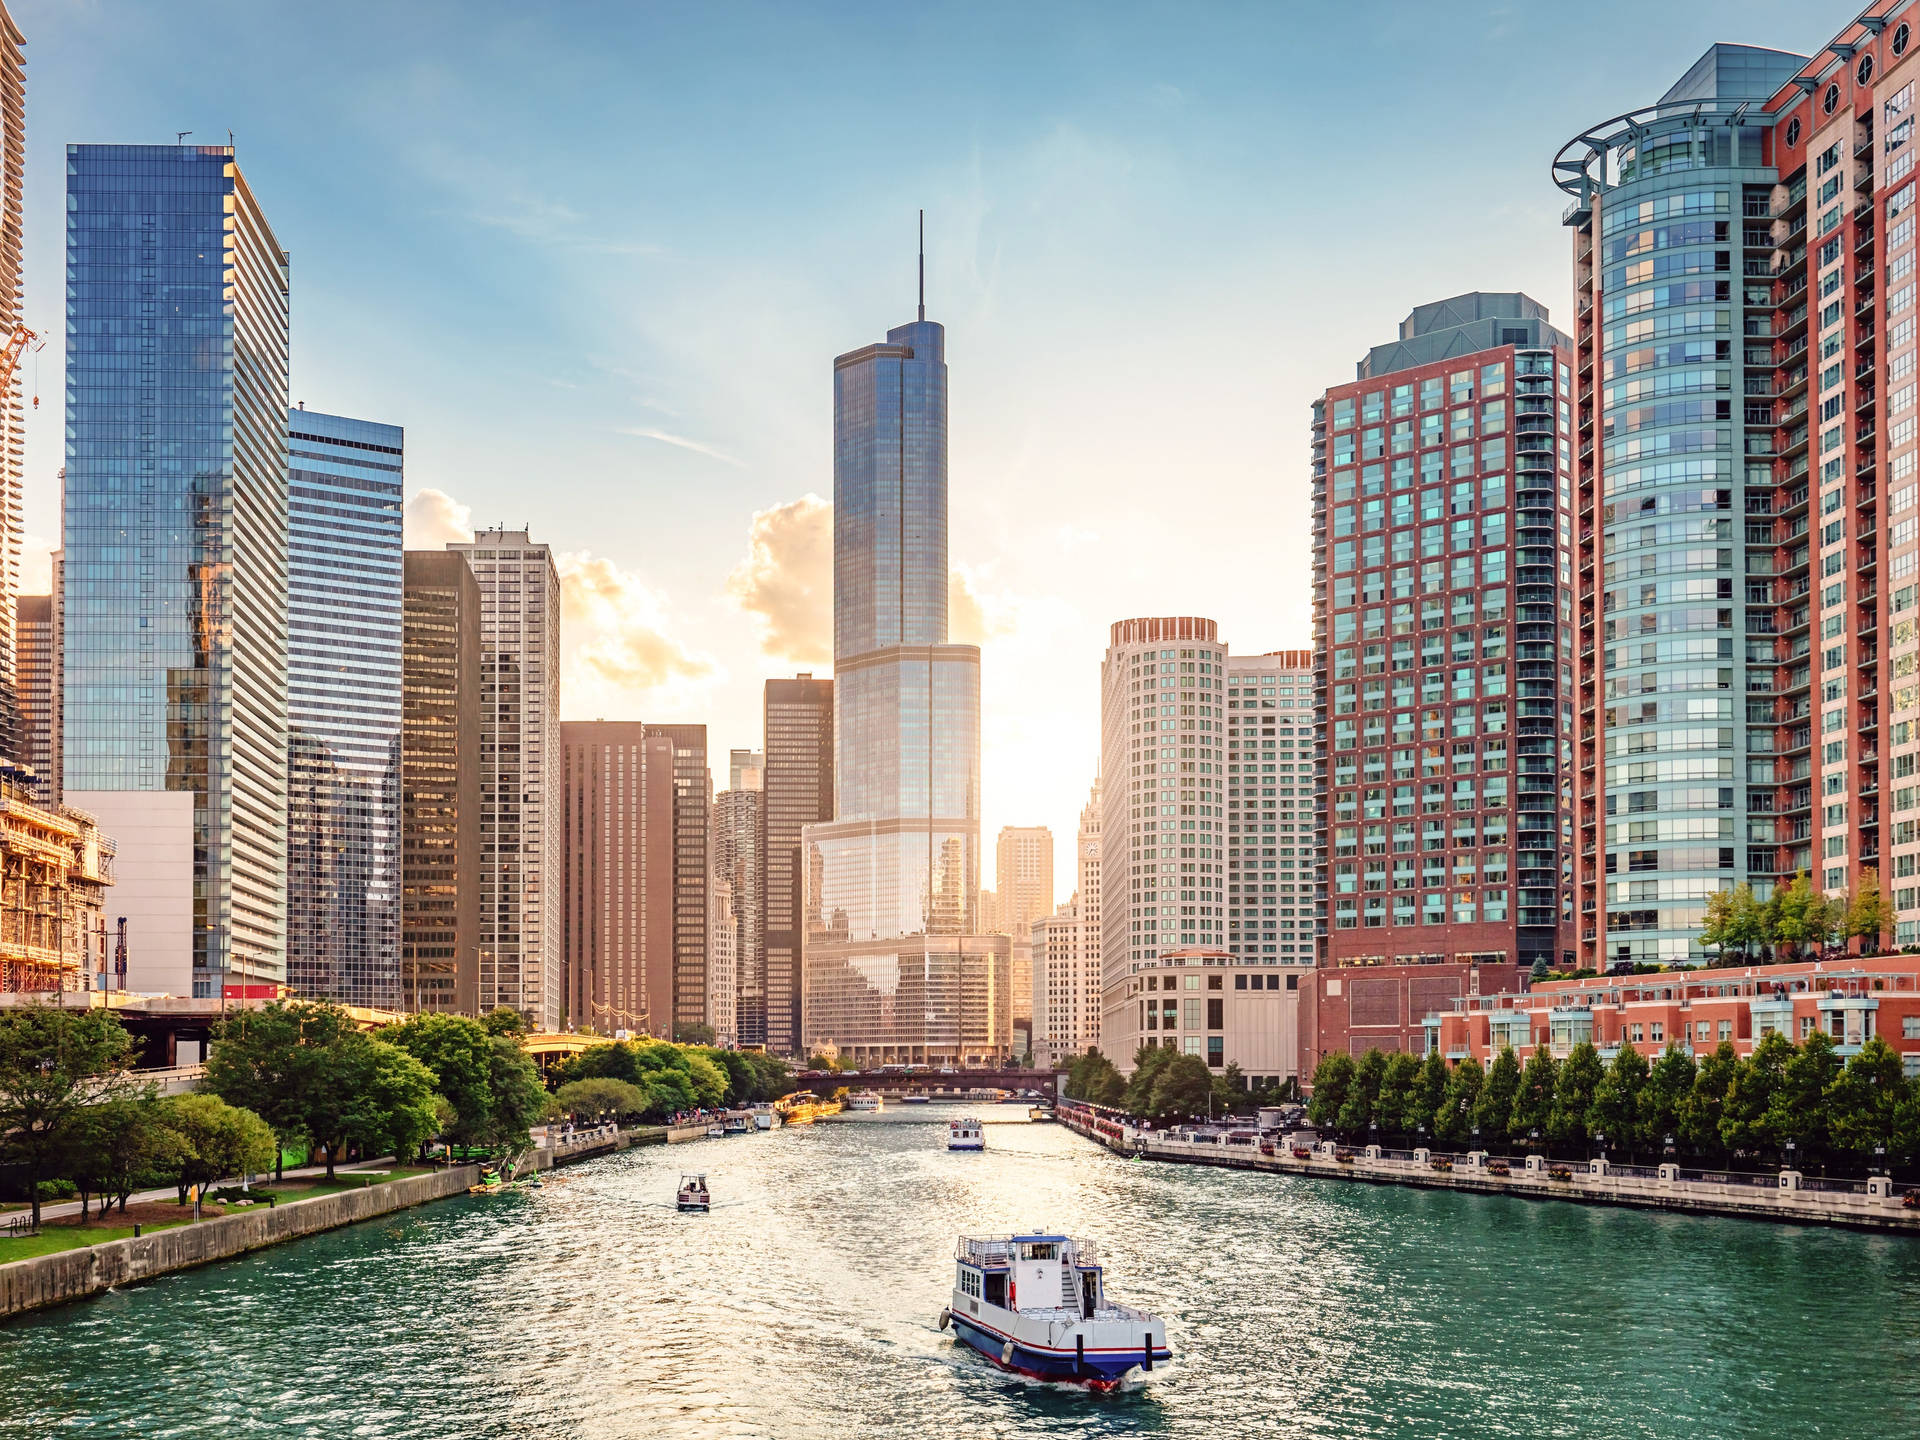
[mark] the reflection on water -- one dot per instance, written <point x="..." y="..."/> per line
<point x="804" y="1306"/>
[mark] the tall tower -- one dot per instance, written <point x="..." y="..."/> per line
<point x="13" y="159"/>
<point x="345" y="620"/>
<point x="175" y="608"/>
<point x="894" y="968"/>
<point x="798" y="792"/>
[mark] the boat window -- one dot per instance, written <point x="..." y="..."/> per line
<point x="997" y="1290"/>
<point x="1037" y="1252"/>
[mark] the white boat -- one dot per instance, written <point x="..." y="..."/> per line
<point x="917" y="1098"/>
<point x="738" y="1125"/>
<point x="716" y="1131"/>
<point x="693" y="1197"/>
<point x="765" y="1117"/>
<point x="965" y="1134"/>
<point x="861" y="1101"/>
<point x="1037" y="1304"/>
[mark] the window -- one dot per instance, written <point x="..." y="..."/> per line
<point x="1910" y="1027"/>
<point x="1793" y="138"/>
<point x="1216" y="1014"/>
<point x="1831" y="99"/>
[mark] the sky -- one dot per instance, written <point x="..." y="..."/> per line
<point x="597" y="259"/>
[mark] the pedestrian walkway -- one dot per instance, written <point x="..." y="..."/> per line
<point x="64" y="1208"/>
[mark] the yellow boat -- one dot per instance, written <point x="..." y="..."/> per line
<point x="799" y="1114"/>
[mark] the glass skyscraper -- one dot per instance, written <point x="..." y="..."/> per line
<point x="344" y="623"/>
<point x="892" y="967"/>
<point x="175" y="601"/>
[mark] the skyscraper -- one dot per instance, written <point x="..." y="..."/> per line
<point x="175" y="580"/>
<point x="1066" y="956"/>
<point x="737" y="850"/>
<point x="1272" y="865"/>
<point x="1023" y="870"/>
<point x="37" y="673"/>
<point x="344" y="639"/>
<point x="1768" y="290"/>
<point x="692" y="871"/>
<point x="798" y="730"/>
<point x="894" y="967"/>
<point x="440" y="786"/>
<point x="520" y="803"/>
<point x="1441" y="495"/>
<point x="13" y="160"/>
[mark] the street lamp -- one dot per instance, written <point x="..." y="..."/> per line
<point x="1669" y="1144"/>
<point x="1600" y="1140"/>
<point x="1879" y="1159"/>
<point x="1533" y="1137"/>
<point x="1791" y="1147"/>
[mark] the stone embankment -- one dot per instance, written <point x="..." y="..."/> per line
<point x="1875" y="1204"/>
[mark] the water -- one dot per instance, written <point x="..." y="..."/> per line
<point x="804" y="1307"/>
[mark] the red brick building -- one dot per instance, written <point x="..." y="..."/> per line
<point x="1357" y="1008"/>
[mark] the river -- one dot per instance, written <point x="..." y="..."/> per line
<point x="804" y="1307"/>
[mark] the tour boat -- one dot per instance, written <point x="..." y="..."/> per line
<point x="965" y="1134"/>
<point x="1037" y="1305"/>
<point x="765" y="1117"/>
<point x="716" y="1131"/>
<point x="915" y="1099"/>
<point x="738" y="1125"/>
<point x="693" y="1197"/>
<point x="861" y="1101"/>
<point x="801" y="1114"/>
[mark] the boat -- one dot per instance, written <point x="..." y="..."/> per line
<point x="801" y="1114"/>
<point x="1037" y="1113"/>
<point x="1037" y="1305"/>
<point x="694" y="1198"/>
<point x="914" y="1099"/>
<point x="716" y="1131"/>
<point x="965" y="1134"/>
<point x="863" y="1101"/>
<point x="765" y="1117"/>
<point x="739" y="1125"/>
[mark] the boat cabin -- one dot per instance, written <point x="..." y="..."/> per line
<point x="1032" y="1273"/>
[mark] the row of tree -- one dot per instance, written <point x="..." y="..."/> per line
<point x="1783" y="1100"/>
<point x="1165" y="1085"/>
<point x="669" y="1079"/>
<point x="1795" y="920"/>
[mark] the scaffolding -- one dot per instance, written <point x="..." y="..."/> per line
<point x="55" y="867"/>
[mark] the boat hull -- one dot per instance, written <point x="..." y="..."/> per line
<point x="1098" y="1370"/>
<point x="966" y="1145"/>
<point x="693" y="1207"/>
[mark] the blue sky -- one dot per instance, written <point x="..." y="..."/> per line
<point x="597" y="259"/>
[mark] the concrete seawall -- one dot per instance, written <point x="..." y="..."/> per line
<point x="1798" y="1206"/>
<point x="94" y="1269"/>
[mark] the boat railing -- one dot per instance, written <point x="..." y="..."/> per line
<point x="999" y="1251"/>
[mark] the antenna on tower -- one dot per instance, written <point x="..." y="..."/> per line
<point x="923" y="265"/>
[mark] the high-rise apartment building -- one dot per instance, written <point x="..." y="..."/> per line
<point x="746" y="770"/>
<point x="739" y="864"/>
<point x="1273" y="879"/>
<point x="722" y="1005"/>
<point x="1023" y="873"/>
<point x="1066" y="956"/>
<point x="692" y="871"/>
<point x="13" y="162"/>
<point x="344" y="642"/>
<point x="1442" y="621"/>
<point x="37" y="674"/>
<point x="894" y="966"/>
<point x="798" y="792"/>
<point x="1769" y="280"/>
<point x="621" y="892"/>
<point x="174" y="612"/>
<point x="440" y="785"/>
<point x="520" y="945"/>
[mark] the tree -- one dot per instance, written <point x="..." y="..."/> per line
<point x="1870" y="915"/>
<point x="1183" y="1088"/>
<point x="54" y="1063"/>
<point x="593" y="1098"/>
<point x="1743" y="1117"/>
<point x="392" y="1110"/>
<point x="1797" y="1108"/>
<point x="1453" y="1118"/>
<point x="458" y="1053"/>
<point x="1580" y="1075"/>
<point x="1746" y="923"/>
<point x="1148" y="1062"/>
<point x="1493" y="1108"/>
<point x="505" y="1020"/>
<point x="1357" y="1110"/>
<point x="1092" y="1078"/>
<point x="516" y="1097"/>
<point x="1666" y="1094"/>
<point x="1398" y="1086"/>
<point x="216" y="1140"/>
<point x="270" y="1060"/>
<point x="1794" y="919"/>
<point x="1616" y="1099"/>
<point x="694" y="1033"/>
<point x="1863" y="1103"/>
<point x="708" y="1079"/>
<point x="1717" y="921"/>
<point x="1429" y="1091"/>
<point x="1539" y="970"/>
<point x="130" y="1143"/>
<point x="1706" y="1103"/>
<point x="1332" y="1079"/>
<point x="1533" y="1103"/>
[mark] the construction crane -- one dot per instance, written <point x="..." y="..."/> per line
<point x="19" y="344"/>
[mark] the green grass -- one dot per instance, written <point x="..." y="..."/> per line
<point x="55" y="1238"/>
<point x="301" y="1189"/>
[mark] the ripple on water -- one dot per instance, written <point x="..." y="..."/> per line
<point x="803" y="1306"/>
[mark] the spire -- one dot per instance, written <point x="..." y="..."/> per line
<point x="923" y="265"/>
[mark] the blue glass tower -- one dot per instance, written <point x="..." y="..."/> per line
<point x="344" y="627"/>
<point x="891" y="967"/>
<point x="175" y="581"/>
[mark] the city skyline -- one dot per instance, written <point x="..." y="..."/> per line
<point x="1142" y="125"/>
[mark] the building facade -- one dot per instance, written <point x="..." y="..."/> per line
<point x="345" y="627"/>
<point x="1442" y="581"/>
<point x="1207" y="1003"/>
<point x="55" y="867"/>
<point x="1023" y="873"/>
<point x="1353" y="1008"/>
<point x="1066" y="956"/>
<point x="440" y="860"/>
<point x="174" y="611"/>
<point x="37" y="676"/>
<point x="692" y="872"/>
<point x="13" y="163"/>
<point x="1273" y="872"/>
<point x="894" y="966"/>
<point x="520" y="947"/>
<point x="798" y="791"/>
<point x="739" y="824"/>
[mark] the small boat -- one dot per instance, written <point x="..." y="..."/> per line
<point x="1037" y="1113"/>
<point x="765" y="1117"/>
<point x="693" y="1198"/>
<point x="799" y="1114"/>
<point x="738" y="1125"/>
<point x="1037" y="1305"/>
<point x="965" y="1134"/>
<point x="716" y="1131"/>
<point x="861" y="1102"/>
<point x="916" y="1098"/>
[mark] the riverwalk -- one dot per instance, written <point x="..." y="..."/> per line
<point x="1789" y="1196"/>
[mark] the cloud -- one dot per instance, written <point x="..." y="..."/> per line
<point x="614" y="636"/>
<point x="643" y="433"/>
<point x="434" y="518"/>
<point x="786" y="580"/>
<point x="975" y="615"/>
<point x="36" y="565"/>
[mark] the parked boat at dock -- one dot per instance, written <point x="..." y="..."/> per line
<point x="765" y="1117"/>
<point x="1037" y="1305"/>
<point x="864" y="1101"/>
<point x="739" y="1125"/>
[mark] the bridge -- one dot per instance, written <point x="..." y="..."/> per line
<point x="901" y="1082"/>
